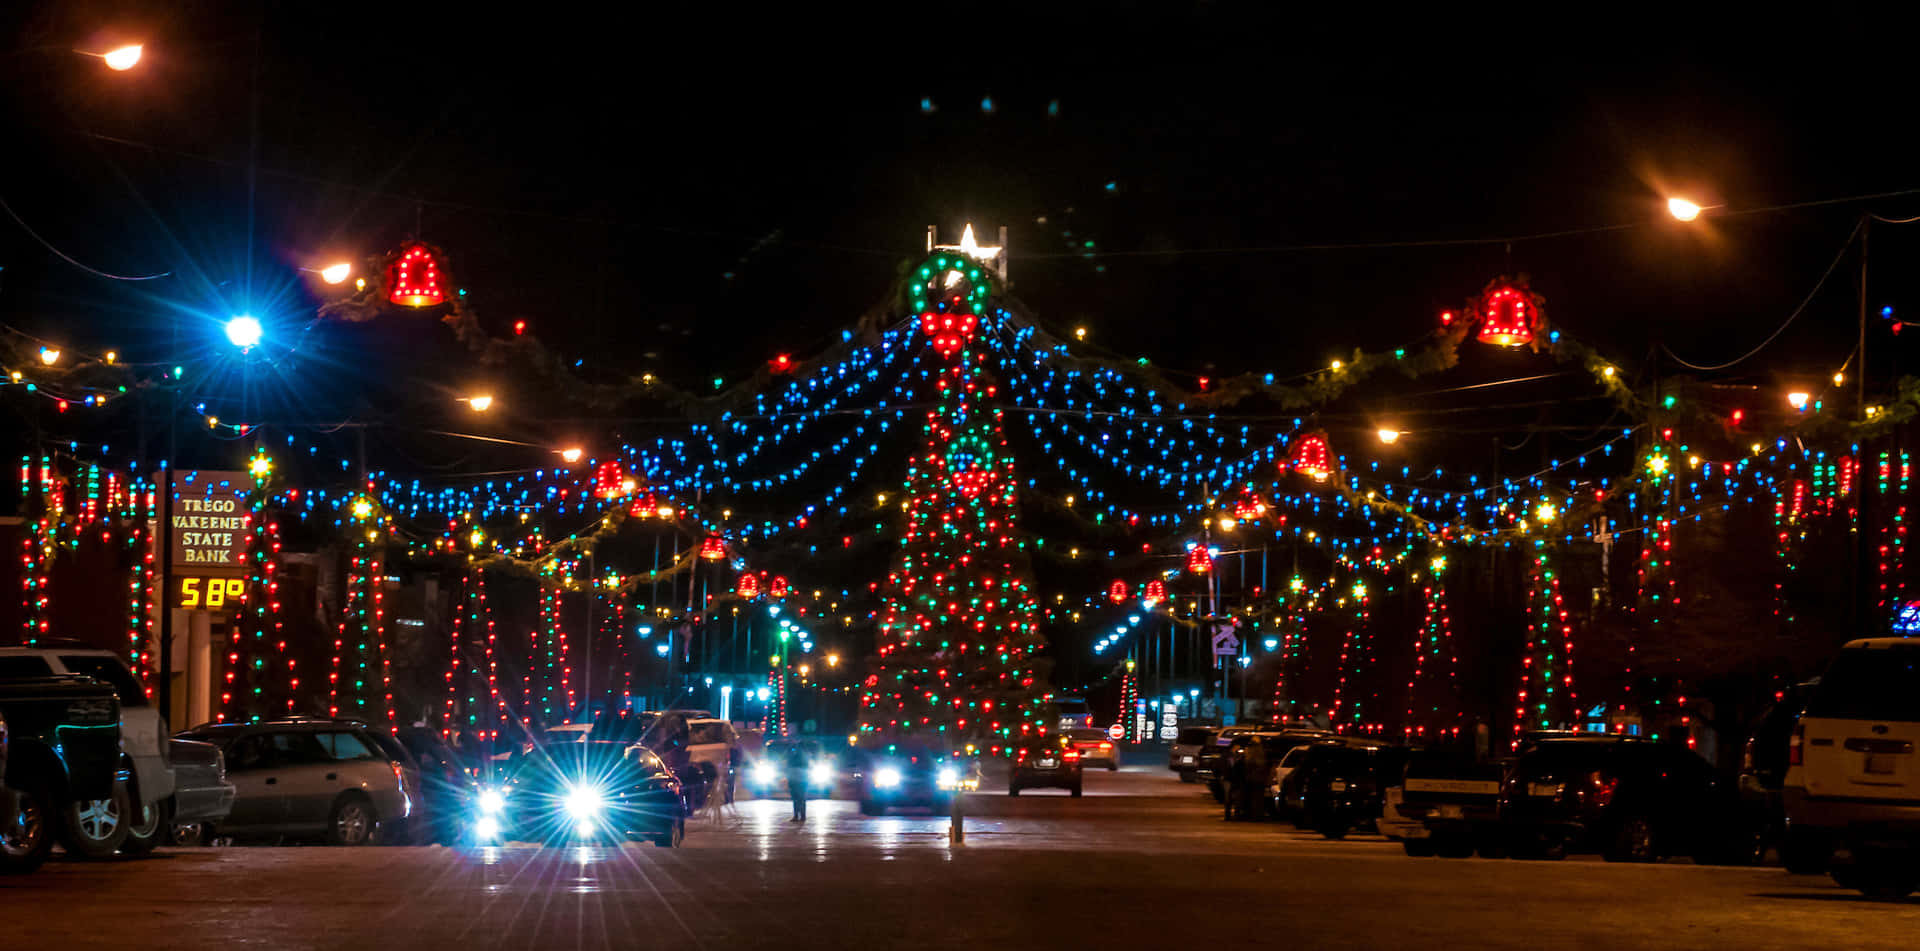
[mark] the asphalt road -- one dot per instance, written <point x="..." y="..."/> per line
<point x="1140" y="861"/>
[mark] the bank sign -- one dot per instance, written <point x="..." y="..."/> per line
<point x="207" y="523"/>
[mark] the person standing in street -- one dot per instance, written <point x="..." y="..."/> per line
<point x="1236" y="779"/>
<point x="797" y="781"/>
<point x="1255" y="770"/>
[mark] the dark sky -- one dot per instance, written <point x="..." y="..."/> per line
<point x="691" y="193"/>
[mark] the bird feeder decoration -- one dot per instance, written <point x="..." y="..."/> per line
<point x="1311" y="457"/>
<point x="949" y="293"/>
<point x="748" y="587"/>
<point x="1199" y="560"/>
<point x="1117" y="591"/>
<point x="1509" y="315"/>
<point x="714" y="548"/>
<point x="415" y="278"/>
<point x="1153" y="592"/>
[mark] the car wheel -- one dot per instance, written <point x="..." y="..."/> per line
<point x="1333" y="828"/>
<point x="1189" y="778"/>
<point x="188" y="833"/>
<point x="1454" y="846"/>
<point x="1112" y="766"/>
<point x="352" y="822"/>
<point x="26" y="829"/>
<point x="148" y="829"/>
<point x="1075" y="792"/>
<point x="1806" y="853"/>
<point x="1549" y="848"/>
<point x="868" y="808"/>
<point x="96" y="828"/>
<point x="1878" y="875"/>
<point x="1417" y="848"/>
<point x="1633" y="841"/>
<point x="672" y="838"/>
<point x="1013" y="789"/>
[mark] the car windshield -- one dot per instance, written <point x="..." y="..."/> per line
<point x="571" y="761"/>
<point x="1193" y="736"/>
<point x="1870" y="684"/>
<point x="110" y="670"/>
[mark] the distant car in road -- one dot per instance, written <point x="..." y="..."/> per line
<point x="1074" y="713"/>
<point x="1455" y="798"/>
<point x="307" y="778"/>
<point x="585" y="792"/>
<point x="910" y="775"/>
<point x="1853" y="773"/>
<point x="1046" y="762"/>
<point x="143" y="743"/>
<point x="202" y="796"/>
<point x="1184" y="758"/>
<point x="1630" y="799"/>
<point x="1095" y="748"/>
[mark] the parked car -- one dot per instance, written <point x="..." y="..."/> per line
<point x="1853" y="777"/>
<point x="202" y="796"/>
<point x="1343" y="784"/>
<point x="1095" y="748"/>
<point x="143" y="745"/>
<point x="700" y="748"/>
<point x="63" y="751"/>
<point x="914" y="775"/>
<point x="1285" y="751"/>
<point x="307" y="778"/>
<point x="1211" y="768"/>
<point x="1630" y="799"/>
<point x="1184" y="758"/>
<point x="1456" y="800"/>
<point x="1046" y="762"/>
<point x="1762" y="784"/>
<point x="584" y="792"/>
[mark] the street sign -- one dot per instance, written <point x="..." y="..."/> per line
<point x="1116" y="731"/>
<point x="1169" y="722"/>
<point x="1224" y="643"/>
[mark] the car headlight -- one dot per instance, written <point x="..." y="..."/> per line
<point x="947" y="777"/>
<point x="886" y="778"/>
<point x="492" y="802"/>
<point x="764" y="773"/>
<point x="584" y="803"/>
<point x="821" y="772"/>
<point x="486" y="829"/>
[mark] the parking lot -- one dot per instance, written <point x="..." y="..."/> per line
<point x="1140" y="861"/>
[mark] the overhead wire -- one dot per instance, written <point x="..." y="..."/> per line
<point x="1797" y="311"/>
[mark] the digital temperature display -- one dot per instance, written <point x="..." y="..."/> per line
<point x="209" y="594"/>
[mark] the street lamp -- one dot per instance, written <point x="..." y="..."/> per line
<point x="244" y="332"/>
<point x="49" y="356"/>
<point x="124" y="58"/>
<point x="1797" y="399"/>
<point x="572" y="453"/>
<point x="1683" y="209"/>
<point x="1389" y="436"/>
<point x="336" y="273"/>
<point x="482" y="403"/>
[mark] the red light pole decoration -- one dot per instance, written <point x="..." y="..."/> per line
<point x="1117" y="591"/>
<point x="959" y="623"/>
<point x="1310" y="456"/>
<point x="1510" y="315"/>
<point x="414" y="279"/>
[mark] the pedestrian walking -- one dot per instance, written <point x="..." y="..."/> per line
<point x="1255" y="771"/>
<point x="1236" y="779"/>
<point x="797" y="781"/>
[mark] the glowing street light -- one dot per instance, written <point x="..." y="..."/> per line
<point x="1683" y="209"/>
<point x="572" y="453"/>
<point x="124" y="58"/>
<point x="1389" y="436"/>
<point x="244" y="332"/>
<point x="49" y="356"/>
<point x="1797" y="399"/>
<point x="482" y="403"/>
<point x="336" y="273"/>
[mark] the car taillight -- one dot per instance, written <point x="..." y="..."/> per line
<point x="397" y="775"/>
<point x="1602" y="788"/>
<point x="1106" y="746"/>
<point x="1073" y="754"/>
<point x="1795" y="755"/>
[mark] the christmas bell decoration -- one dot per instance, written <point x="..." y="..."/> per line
<point x="714" y="548"/>
<point x="1153" y="592"/>
<point x="778" y="586"/>
<point x="748" y="586"/>
<point x="1311" y="457"/>
<point x="1199" y="560"/>
<point x="612" y="482"/>
<point x="1117" y="591"/>
<point x="646" y="505"/>
<point x="414" y="279"/>
<point x="1508" y="315"/>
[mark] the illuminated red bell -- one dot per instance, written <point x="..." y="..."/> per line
<point x="1117" y="591"/>
<point x="1507" y="316"/>
<point x="1311" y="457"/>
<point x="1154" y="592"/>
<point x="646" y="505"/>
<point x="414" y="280"/>
<point x="778" y="586"/>
<point x="748" y="587"/>
<point x="1199" y="560"/>
<point x="611" y="482"/>
<point x="714" y="548"/>
<point x="948" y="332"/>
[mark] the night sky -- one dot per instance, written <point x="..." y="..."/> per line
<point x="692" y="194"/>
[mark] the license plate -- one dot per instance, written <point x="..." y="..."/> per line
<point x="1338" y="785"/>
<point x="1543" y="789"/>
<point x="1880" y="764"/>
<point x="1044" y="764"/>
<point x="1450" y="812"/>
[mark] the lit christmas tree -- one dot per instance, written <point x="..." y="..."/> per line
<point x="959" y="625"/>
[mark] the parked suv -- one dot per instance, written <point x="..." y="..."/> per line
<point x="307" y="778"/>
<point x="1184" y="758"/>
<point x="1853" y="779"/>
<point x="1455" y="798"/>
<point x="1629" y="799"/>
<point x="143" y="745"/>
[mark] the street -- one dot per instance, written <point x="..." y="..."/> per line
<point x="1140" y="861"/>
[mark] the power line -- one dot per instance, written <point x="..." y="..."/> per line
<point x="1790" y="317"/>
<point x="64" y="256"/>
